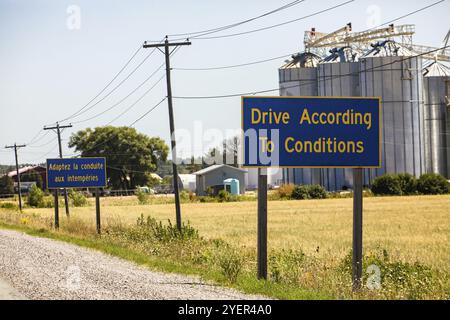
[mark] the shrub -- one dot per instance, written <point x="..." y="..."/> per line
<point x="300" y="192"/>
<point x="286" y="265"/>
<point x="285" y="191"/>
<point x="78" y="199"/>
<point x="316" y="191"/>
<point x="431" y="183"/>
<point x="224" y="196"/>
<point x="6" y="185"/>
<point x="230" y="262"/>
<point x="36" y="197"/>
<point x="396" y="278"/>
<point x="142" y="196"/>
<point x="184" y="195"/>
<point x="9" y="205"/>
<point x="408" y="183"/>
<point x="388" y="184"/>
<point x="151" y="228"/>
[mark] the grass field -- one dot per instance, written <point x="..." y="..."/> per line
<point x="309" y="242"/>
<point x="410" y="228"/>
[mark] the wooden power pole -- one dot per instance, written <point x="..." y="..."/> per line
<point x="58" y="132"/>
<point x="167" y="53"/>
<point x="15" y="147"/>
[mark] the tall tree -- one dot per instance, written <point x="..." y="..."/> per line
<point x="217" y="155"/>
<point x="129" y="155"/>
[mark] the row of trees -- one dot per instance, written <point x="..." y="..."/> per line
<point x="131" y="157"/>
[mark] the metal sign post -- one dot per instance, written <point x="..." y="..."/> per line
<point x="56" y="210"/>
<point x="97" y="209"/>
<point x="357" y="228"/>
<point x="262" y="224"/>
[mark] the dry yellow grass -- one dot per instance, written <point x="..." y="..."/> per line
<point x="410" y="228"/>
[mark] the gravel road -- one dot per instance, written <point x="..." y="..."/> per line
<point x="39" y="268"/>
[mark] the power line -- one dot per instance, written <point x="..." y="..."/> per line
<point x="275" y="25"/>
<point x="284" y="56"/>
<point x="34" y="137"/>
<point x="408" y="14"/>
<point x="123" y="99"/>
<point x="308" y="82"/>
<point x="45" y="154"/>
<point x="222" y="28"/>
<point x="107" y="85"/>
<point x="233" y="66"/>
<point x="145" y="114"/>
<point x="44" y="144"/>
<point x="34" y="140"/>
<point x="130" y="125"/>
<point x="134" y="122"/>
<point x="116" y="87"/>
<point x="137" y="101"/>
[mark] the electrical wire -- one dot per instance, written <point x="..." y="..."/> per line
<point x="408" y="14"/>
<point x="275" y="25"/>
<point x="134" y="122"/>
<point x="222" y="28"/>
<point x="308" y="82"/>
<point x="137" y="101"/>
<point x="44" y="155"/>
<point x="31" y="143"/>
<point x="235" y="65"/>
<point x="148" y="112"/>
<point x="123" y="99"/>
<point x="44" y="144"/>
<point x="34" y="137"/>
<point x="130" y="125"/>
<point x="117" y="86"/>
<point x="107" y="85"/>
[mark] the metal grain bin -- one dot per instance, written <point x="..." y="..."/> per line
<point x="437" y="138"/>
<point x="398" y="81"/>
<point x="338" y="75"/>
<point x="298" y="77"/>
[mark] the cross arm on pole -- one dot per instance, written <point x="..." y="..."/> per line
<point x="15" y="146"/>
<point x="170" y="44"/>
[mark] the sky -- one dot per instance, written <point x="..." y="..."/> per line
<point x="55" y="56"/>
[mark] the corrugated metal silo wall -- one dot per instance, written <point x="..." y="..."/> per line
<point x="299" y="82"/>
<point x="398" y="81"/>
<point x="435" y="128"/>
<point x="338" y="79"/>
<point x="447" y="128"/>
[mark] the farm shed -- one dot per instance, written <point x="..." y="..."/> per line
<point x="213" y="177"/>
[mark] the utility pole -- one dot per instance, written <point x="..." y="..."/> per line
<point x="167" y="53"/>
<point x="58" y="132"/>
<point x="15" y="147"/>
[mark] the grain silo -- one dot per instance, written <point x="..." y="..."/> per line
<point x="393" y="72"/>
<point x="437" y="118"/>
<point x="338" y="75"/>
<point x="298" y="77"/>
<point x="415" y="105"/>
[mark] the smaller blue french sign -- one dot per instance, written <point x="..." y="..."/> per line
<point x="76" y="173"/>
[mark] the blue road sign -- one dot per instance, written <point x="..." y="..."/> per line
<point x="76" y="173"/>
<point x="324" y="132"/>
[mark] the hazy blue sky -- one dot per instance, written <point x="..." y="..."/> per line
<point x="50" y="67"/>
